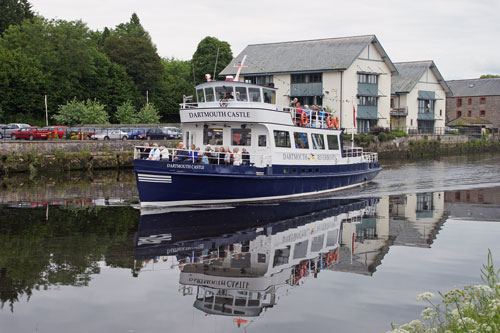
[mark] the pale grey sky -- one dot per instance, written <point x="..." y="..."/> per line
<point x="461" y="36"/>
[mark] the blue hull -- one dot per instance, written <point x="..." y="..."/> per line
<point x="173" y="184"/>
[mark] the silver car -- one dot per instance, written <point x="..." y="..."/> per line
<point x="110" y="134"/>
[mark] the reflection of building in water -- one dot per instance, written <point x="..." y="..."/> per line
<point x="481" y="204"/>
<point x="408" y="220"/>
<point x="244" y="273"/>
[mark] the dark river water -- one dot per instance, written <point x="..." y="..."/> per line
<point x="76" y="255"/>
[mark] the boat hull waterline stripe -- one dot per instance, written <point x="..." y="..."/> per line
<point x="149" y="178"/>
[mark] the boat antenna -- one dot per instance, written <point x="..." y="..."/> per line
<point x="216" y="58"/>
<point x="240" y="66"/>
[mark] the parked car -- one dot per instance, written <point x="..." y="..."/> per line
<point x="2" y="130"/>
<point x="115" y="134"/>
<point x="12" y="127"/>
<point x="135" y="133"/>
<point x="87" y="132"/>
<point x="30" y="133"/>
<point x="60" y="131"/>
<point x="163" y="133"/>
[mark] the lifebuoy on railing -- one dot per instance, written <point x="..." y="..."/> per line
<point x="336" y="122"/>
<point x="223" y="103"/>
<point x="304" y="119"/>
<point x="336" y="255"/>
<point x="329" y="121"/>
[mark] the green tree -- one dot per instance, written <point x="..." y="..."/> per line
<point x="79" y="113"/>
<point x="13" y="12"/>
<point x="489" y="76"/>
<point x="148" y="115"/>
<point x="209" y="51"/>
<point x="126" y="113"/>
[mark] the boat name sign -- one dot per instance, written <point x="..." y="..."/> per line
<point x="219" y="114"/>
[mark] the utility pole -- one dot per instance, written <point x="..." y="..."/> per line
<point x="147" y="97"/>
<point x="46" y="113"/>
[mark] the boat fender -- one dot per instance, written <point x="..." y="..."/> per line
<point x="304" y="119"/>
<point x="329" y="121"/>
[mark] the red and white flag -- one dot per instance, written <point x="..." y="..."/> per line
<point x="354" y="115"/>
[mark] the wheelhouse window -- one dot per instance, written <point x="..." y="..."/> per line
<point x="318" y="141"/>
<point x="262" y="140"/>
<point x="241" y="94"/>
<point x="333" y="142"/>
<point x="241" y="136"/>
<point x="209" y="94"/>
<point x="224" y="92"/>
<point x="213" y="136"/>
<point x="301" y="141"/>
<point x="269" y="96"/>
<point x="200" y="96"/>
<point x="367" y="78"/>
<point x="254" y="94"/>
<point x="281" y="256"/>
<point x="282" y="139"/>
<point x="367" y="100"/>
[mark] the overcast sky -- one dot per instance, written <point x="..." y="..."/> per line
<point x="461" y="36"/>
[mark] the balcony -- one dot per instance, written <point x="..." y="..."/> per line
<point x="399" y="112"/>
<point x="306" y="89"/>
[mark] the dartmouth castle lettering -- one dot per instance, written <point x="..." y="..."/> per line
<point x="219" y="114"/>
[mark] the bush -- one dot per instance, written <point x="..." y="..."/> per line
<point x="377" y="130"/>
<point x="399" y="134"/>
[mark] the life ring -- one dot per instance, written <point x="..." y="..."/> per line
<point x="328" y="259"/>
<point x="336" y="122"/>
<point x="304" y="119"/>
<point x="335" y="255"/>
<point x="223" y="102"/>
<point x="329" y="121"/>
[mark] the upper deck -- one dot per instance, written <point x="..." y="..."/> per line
<point x="234" y="101"/>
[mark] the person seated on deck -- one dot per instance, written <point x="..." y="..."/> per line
<point x="199" y="154"/>
<point x="164" y="154"/>
<point x="181" y="154"/>
<point x="193" y="154"/>
<point x="298" y="114"/>
<point x="154" y="154"/>
<point x="144" y="151"/>
<point x="245" y="156"/>
<point x="228" y="157"/>
<point x="237" y="156"/>
<point x="208" y="154"/>
<point x="216" y="156"/>
<point x="222" y="155"/>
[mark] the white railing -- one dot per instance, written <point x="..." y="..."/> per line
<point x="352" y="152"/>
<point x="370" y="157"/>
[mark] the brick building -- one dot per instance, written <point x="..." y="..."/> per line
<point x="475" y="98"/>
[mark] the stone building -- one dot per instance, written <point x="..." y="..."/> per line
<point x="418" y="101"/>
<point x="337" y="73"/>
<point x="475" y="98"/>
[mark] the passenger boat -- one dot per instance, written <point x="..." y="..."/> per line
<point x="286" y="156"/>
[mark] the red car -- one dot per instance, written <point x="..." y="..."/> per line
<point x="59" y="130"/>
<point x="30" y="133"/>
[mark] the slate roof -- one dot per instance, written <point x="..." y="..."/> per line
<point x="410" y="74"/>
<point x="318" y="55"/>
<point x="475" y="87"/>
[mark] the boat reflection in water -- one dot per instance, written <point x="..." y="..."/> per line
<point x="237" y="260"/>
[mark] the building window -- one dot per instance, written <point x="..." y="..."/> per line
<point x="367" y="101"/>
<point x="367" y="78"/>
<point x="282" y="139"/>
<point x="440" y="112"/>
<point x="482" y="100"/>
<point x="469" y="101"/>
<point x="459" y="114"/>
<point x="469" y="113"/>
<point x="482" y="113"/>
<point x="241" y="136"/>
<point x="425" y="106"/>
<point x="261" y="80"/>
<point x="392" y="103"/>
<point x="459" y="102"/>
<point x="307" y="78"/>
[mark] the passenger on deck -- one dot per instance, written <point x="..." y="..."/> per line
<point x="208" y="154"/>
<point x="164" y="154"/>
<point x="298" y="114"/>
<point x="181" y="154"/>
<point x="216" y="155"/>
<point x="154" y="154"/>
<point x="228" y="157"/>
<point x="193" y="154"/>
<point x="322" y="117"/>
<point x="245" y="157"/>
<point x="144" y="151"/>
<point x="222" y="155"/>
<point x="237" y="156"/>
<point x="294" y="103"/>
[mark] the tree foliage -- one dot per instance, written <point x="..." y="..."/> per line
<point x="148" y="115"/>
<point x="489" y="76"/>
<point x="209" y="51"/>
<point x="79" y="113"/>
<point x="13" y="12"/>
<point x="126" y="113"/>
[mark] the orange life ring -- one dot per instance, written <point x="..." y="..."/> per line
<point x="336" y="122"/>
<point x="304" y="119"/>
<point x="335" y="255"/>
<point x="329" y="121"/>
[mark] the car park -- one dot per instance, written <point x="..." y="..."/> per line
<point x="135" y="133"/>
<point x="30" y="133"/>
<point x="2" y="130"/>
<point x="12" y="127"/>
<point x="57" y="131"/>
<point x="114" y="134"/>
<point x="163" y="133"/>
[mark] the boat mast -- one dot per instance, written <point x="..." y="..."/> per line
<point x="240" y="66"/>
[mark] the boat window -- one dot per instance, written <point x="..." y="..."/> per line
<point x="209" y="94"/>
<point x="301" y="141"/>
<point x="269" y="95"/>
<point x="332" y="238"/>
<point x="224" y="92"/>
<point x="281" y="256"/>
<point x="317" y="243"/>
<point x="241" y="136"/>
<point x="318" y="141"/>
<point x="333" y="142"/>
<point x="300" y="250"/>
<point x="200" y="96"/>
<point x="212" y="136"/>
<point x="241" y="94"/>
<point x="254" y="94"/>
<point x="282" y="139"/>
<point x="261" y="258"/>
<point x="262" y="140"/>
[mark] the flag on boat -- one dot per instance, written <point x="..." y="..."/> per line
<point x="354" y="115"/>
